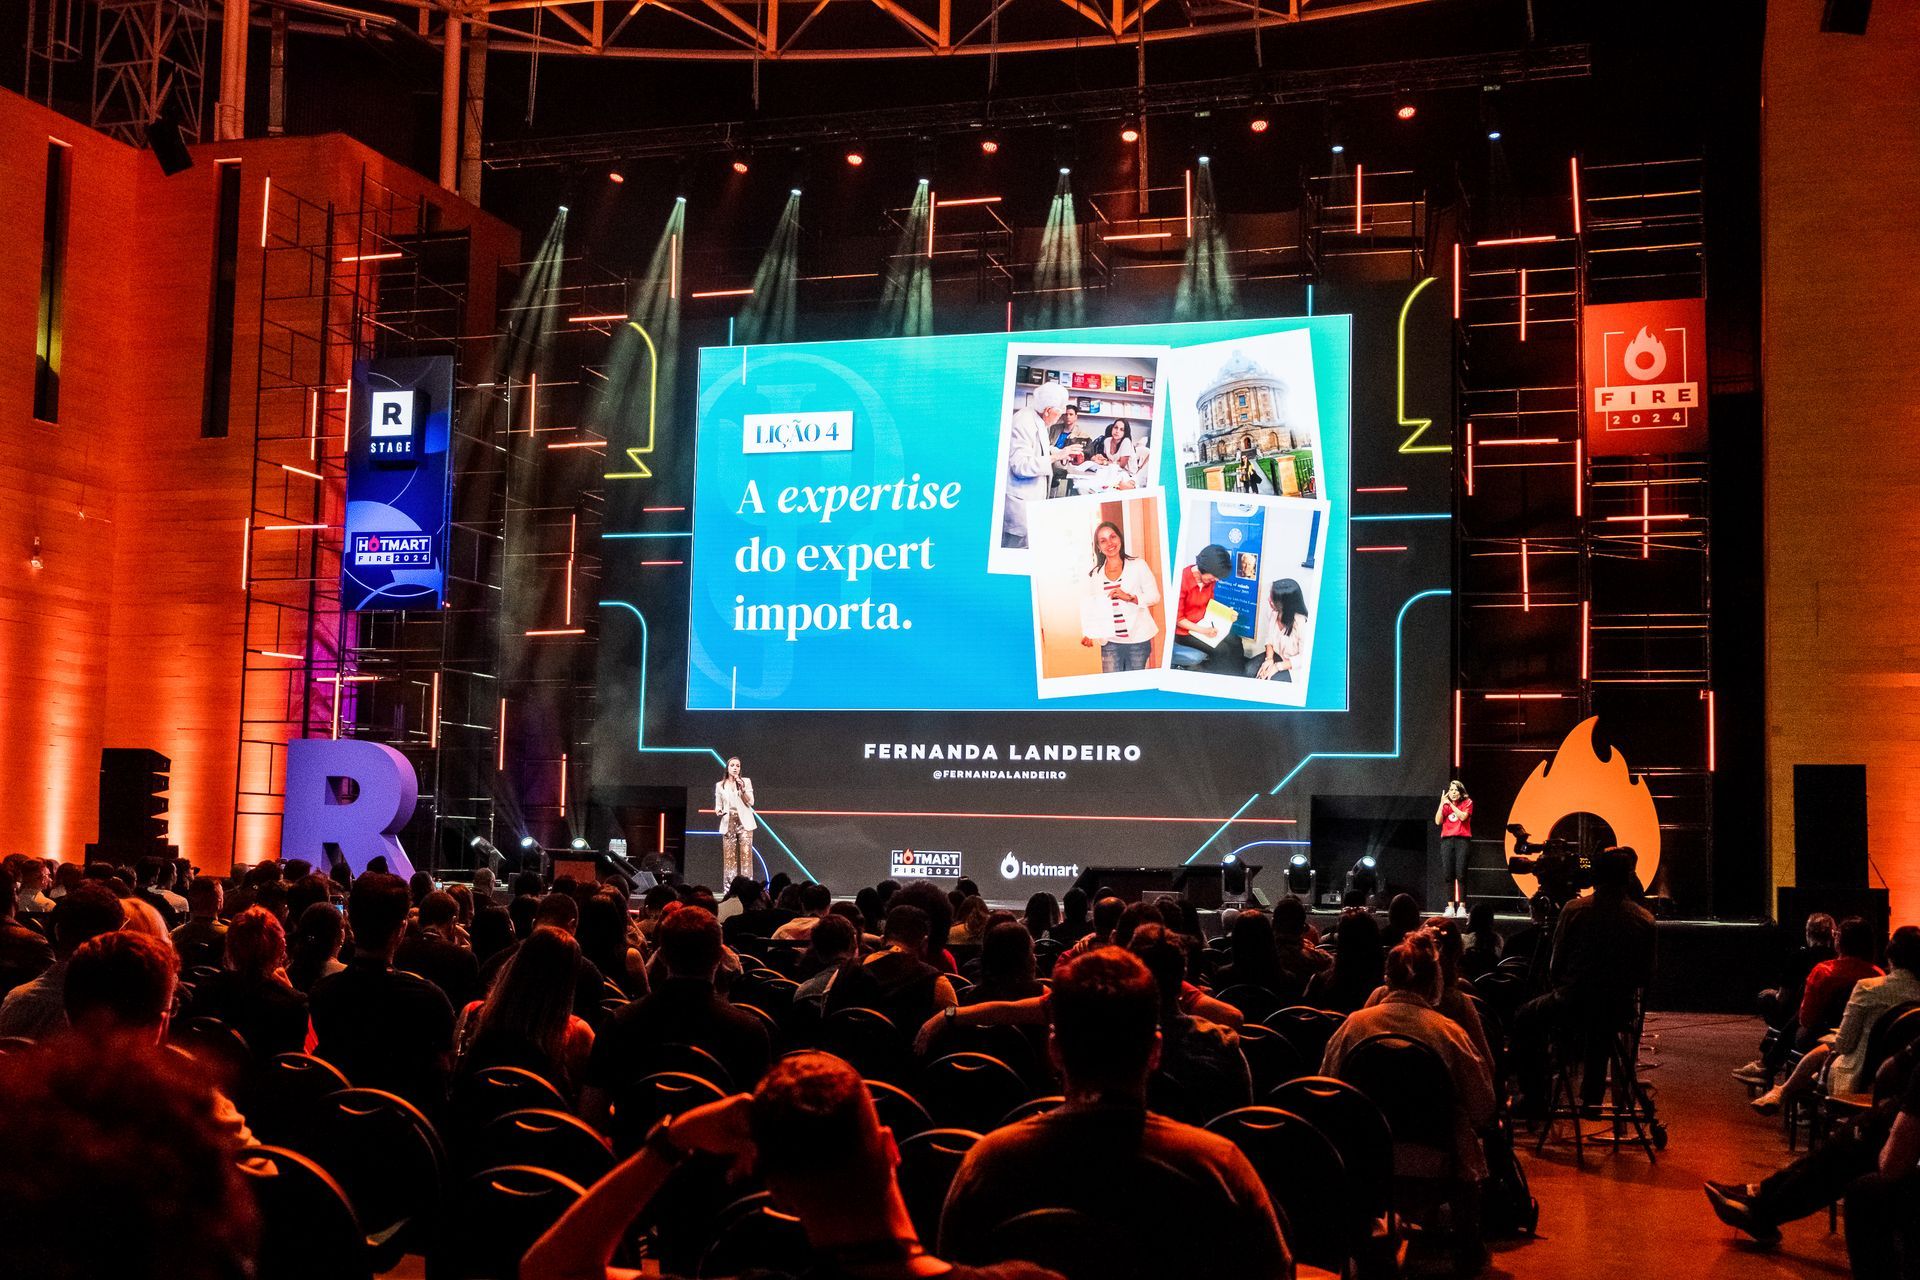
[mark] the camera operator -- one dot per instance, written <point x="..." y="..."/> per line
<point x="1602" y="958"/>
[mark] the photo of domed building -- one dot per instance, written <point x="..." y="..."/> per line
<point x="1248" y="436"/>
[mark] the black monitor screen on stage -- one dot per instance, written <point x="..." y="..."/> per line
<point x="1006" y="605"/>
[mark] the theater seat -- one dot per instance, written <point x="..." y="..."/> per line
<point x="753" y="1236"/>
<point x="1271" y="1057"/>
<point x="868" y="1039"/>
<point x="1075" y="1244"/>
<point x="307" y="1227"/>
<point x="387" y="1157"/>
<point x="1305" y="1176"/>
<point x="1032" y="1107"/>
<point x="899" y="1110"/>
<point x="928" y="1163"/>
<point x="638" y="1106"/>
<point x="286" y="1092"/>
<point x="485" y="1095"/>
<point x="545" y="1139"/>
<point x="970" y="1091"/>
<point x="493" y="1218"/>
<point x="1356" y="1127"/>
<point x="1254" y="1002"/>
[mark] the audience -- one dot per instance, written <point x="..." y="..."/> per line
<point x="606" y="941"/>
<point x="897" y="980"/>
<point x="1074" y="924"/>
<point x="527" y="1019"/>
<point x="809" y="1131"/>
<point x="202" y="939"/>
<point x="681" y="1008"/>
<point x="313" y="952"/>
<point x="1780" y="1006"/>
<point x="1403" y="917"/>
<point x="1007" y="967"/>
<point x="1161" y="1187"/>
<point x="1106" y="918"/>
<point x="1202" y="1072"/>
<point x="1482" y="950"/>
<point x="815" y="900"/>
<point x="385" y="1028"/>
<point x="24" y="953"/>
<point x="834" y="942"/>
<point x="1043" y="913"/>
<point x="253" y="994"/>
<point x="1359" y="963"/>
<point x="36" y="1009"/>
<point x="434" y="950"/>
<point x="1842" y="1055"/>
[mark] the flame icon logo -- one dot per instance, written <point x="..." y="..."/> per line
<point x="1645" y="357"/>
<point x="1579" y="780"/>
<point x="1009" y="867"/>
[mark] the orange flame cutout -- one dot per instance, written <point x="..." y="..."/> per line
<point x="1646" y="356"/>
<point x="1579" y="780"/>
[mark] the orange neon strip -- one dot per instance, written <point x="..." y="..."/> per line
<point x="1579" y="478"/>
<point x="1524" y="697"/>
<point x="1047" y="817"/>
<point x="663" y="833"/>
<point x="1456" y="728"/>
<point x="1189" y="204"/>
<point x="721" y="293"/>
<point x="336" y="704"/>
<point x="299" y="471"/>
<point x="270" y="653"/>
<point x="1526" y="581"/>
<point x="1586" y="636"/>
<point x="1469" y="457"/>
<point x="1359" y="197"/>
<point x="1523" y="304"/>
<point x="266" y="205"/>
<point x="933" y="213"/>
<point x="1383" y="488"/>
<point x="649" y="509"/>
<point x="433" y="723"/>
<point x="949" y="204"/>
<point x="500" y="748"/>
<point x="559" y="631"/>
<point x="578" y="444"/>
<point x="1490" y="244"/>
<point x="610" y="316"/>
<point x="1573" y="168"/>
<point x="1456" y="281"/>
<point x="246" y="555"/>
<point x="573" y="535"/>
<point x="645" y="563"/>
<point x="1143" y="235"/>
<point x="563" y="784"/>
<point x="533" y="399"/>
<point x="283" y="528"/>
<point x="1521" y="440"/>
<point x="1644" y="518"/>
<point x="1708" y="694"/>
<point x="1379" y="548"/>
<point x="372" y="257"/>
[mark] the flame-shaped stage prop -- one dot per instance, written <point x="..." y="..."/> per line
<point x="1579" y="780"/>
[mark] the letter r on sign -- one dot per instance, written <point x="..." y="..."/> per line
<point x="317" y="825"/>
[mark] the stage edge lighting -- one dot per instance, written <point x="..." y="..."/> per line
<point x="1129" y="134"/>
<point x="856" y="157"/>
<point x="1406" y="111"/>
<point x="990" y="145"/>
<point x="1258" y="124"/>
<point x="616" y="177"/>
<point x="578" y="842"/>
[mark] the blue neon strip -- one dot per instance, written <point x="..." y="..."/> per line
<point x="1399" y="698"/>
<point x="640" y="729"/>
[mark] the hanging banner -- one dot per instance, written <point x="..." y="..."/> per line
<point x="399" y="484"/>
<point x="1646" y="377"/>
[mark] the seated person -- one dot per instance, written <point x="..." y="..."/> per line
<point x="252" y="993"/>
<point x="527" y="1019"/>
<point x="896" y="980"/>
<point x="1162" y="1187"/>
<point x="1202" y="1072"/>
<point x="1843" y="1054"/>
<point x="1197" y="581"/>
<point x="1779" y="1006"/>
<point x="834" y="941"/>
<point x="809" y="1131"/>
<point x="435" y="953"/>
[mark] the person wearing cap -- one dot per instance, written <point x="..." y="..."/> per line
<point x="1196" y="593"/>
<point x="1030" y="459"/>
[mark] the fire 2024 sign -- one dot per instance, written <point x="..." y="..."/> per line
<point x="1646" y="377"/>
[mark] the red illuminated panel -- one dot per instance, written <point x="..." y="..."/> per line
<point x="1646" y="377"/>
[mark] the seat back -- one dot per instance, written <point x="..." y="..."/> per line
<point x="545" y="1139"/>
<point x="1356" y="1127"/>
<point x="638" y="1106"/>
<point x="285" y="1093"/>
<point x="928" y="1163"/>
<point x="899" y="1110"/>
<point x="1410" y="1085"/>
<point x="1271" y="1057"/>
<point x="1075" y="1244"/>
<point x="868" y="1039"/>
<point x="1307" y="1029"/>
<point x="481" y="1097"/>
<point x="1032" y="1107"/>
<point x="220" y="1050"/>
<point x="384" y="1153"/>
<point x="493" y="1218"/>
<point x="1254" y="1002"/>
<point x="1304" y="1176"/>
<point x="689" y="1058"/>
<point x="970" y="1091"/>
<point x="1891" y="1032"/>
<point x="307" y="1226"/>
<point x="754" y="1236"/>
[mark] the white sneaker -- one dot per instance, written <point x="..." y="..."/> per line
<point x="1754" y="1072"/>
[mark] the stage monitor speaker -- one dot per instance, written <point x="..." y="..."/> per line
<point x="1830" y="825"/>
<point x="169" y="147"/>
<point x="1201" y="885"/>
<point x="133" y="806"/>
<point x="1846" y="17"/>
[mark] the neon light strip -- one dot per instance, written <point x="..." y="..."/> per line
<point x="1420" y="515"/>
<point x="246" y="555"/>
<point x="1139" y="235"/>
<point x="1708" y="695"/>
<point x="656" y="563"/>
<point x="1579" y="478"/>
<point x="1456" y="728"/>
<point x="1573" y="168"/>
<point x="500" y="751"/>
<point x="663" y="832"/>
<point x="1189" y="179"/>
<point x="269" y="653"/>
<point x="1379" y="548"/>
<point x="1522" y="440"/>
<point x="573" y="541"/>
<point x="1383" y="488"/>
<point x="372" y="257"/>
<point x="557" y="631"/>
<point x="933" y="212"/>
<point x="336" y="704"/>
<point x="1523" y="304"/>
<point x="611" y="317"/>
<point x="284" y="528"/>
<point x="1491" y="244"/>
<point x="1524" y="697"/>
<point x="1456" y="280"/>
<point x="721" y="293"/>
<point x="1359" y="173"/>
<point x="1420" y="425"/>
<point x="533" y="398"/>
<point x="563" y="784"/>
<point x="1526" y="581"/>
<point x="673" y="266"/>
<point x="653" y="509"/>
<point x="1586" y="636"/>
<point x="1469" y="457"/>
<point x="949" y="204"/>
<point x="1399" y="696"/>
<point x="433" y="724"/>
<point x="311" y="475"/>
<point x="266" y="205"/>
<point x="1639" y="519"/>
<point x="578" y="444"/>
<point x="640" y="726"/>
<point x="632" y="534"/>
<point x="1039" y="817"/>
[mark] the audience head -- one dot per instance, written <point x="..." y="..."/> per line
<point x="9" y="887"/>
<point x="1856" y="938"/>
<point x="1403" y="913"/>
<point x="1903" y="949"/>
<point x="492" y="932"/>
<point x="1357" y="957"/>
<point x="820" y="1146"/>
<point x="526" y="884"/>
<point x="1073" y="907"/>
<point x="658" y="897"/>
<point x="88" y="910"/>
<point x="439" y="911"/>
<point x="520" y="912"/>
<point x="1480" y="920"/>
<point x="257" y="943"/>
<point x="834" y="939"/>
<point x="1165" y="955"/>
<point x="1447" y="948"/>
<point x="483" y="883"/>
<point x="739" y="886"/>
<point x="1289" y="919"/>
<point x="85" y="1140"/>
<point x="1613" y="869"/>
<point x="1106" y="915"/>
<point x="144" y="917"/>
<point x="886" y="889"/>
<point x="121" y="983"/>
<point x="1414" y="966"/>
<point x="304" y="892"/>
<point x="533" y="996"/>
<point x="462" y="895"/>
<point x="1821" y="931"/>
<point x="1105" y="1014"/>
<point x="815" y="898"/>
<point x="907" y="928"/>
<point x="1042" y="914"/>
<point x="603" y="929"/>
<point x="316" y="937"/>
<point x="927" y="896"/>
<point x="419" y="885"/>
<point x="689" y="941"/>
<point x="973" y="914"/>
<point x="377" y="908"/>
<point x="870" y="905"/>
<point x="1006" y="955"/>
<point x="557" y="910"/>
<point x="779" y="884"/>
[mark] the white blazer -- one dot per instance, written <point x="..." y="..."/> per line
<point x="727" y="801"/>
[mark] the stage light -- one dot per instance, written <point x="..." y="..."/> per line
<point x="578" y="842"/>
<point x="1493" y="135"/>
<point x="1338" y="149"/>
<point x="1129" y="134"/>
<point x="855" y="159"/>
<point x="1364" y="878"/>
<point x="794" y="192"/>
<point x="990" y="145"/>
<point x="476" y="842"/>
<point x="1206" y="159"/>
<point x="1064" y="171"/>
<point x="925" y="181"/>
<point x="528" y="842"/>
<point x="739" y="165"/>
<point x="679" y="199"/>
<point x="616" y="177"/>
<point x="1300" y="876"/>
<point x="1258" y="124"/>
<point x="1230" y="859"/>
<point x="1406" y="111"/>
<point x="563" y="211"/>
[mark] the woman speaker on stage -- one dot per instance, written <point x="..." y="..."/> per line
<point x="1454" y="817"/>
<point x="733" y="810"/>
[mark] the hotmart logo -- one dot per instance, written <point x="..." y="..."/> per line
<point x="395" y="550"/>
<point x="918" y="863"/>
<point x="1011" y="868"/>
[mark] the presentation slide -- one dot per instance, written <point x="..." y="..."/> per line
<point x="1146" y="518"/>
<point x="1007" y="605"/>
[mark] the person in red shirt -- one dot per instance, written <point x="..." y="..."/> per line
<point x="1454" y="817"/>
<point x="1831" y="982"/>
<point x="1196" y="593"/>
